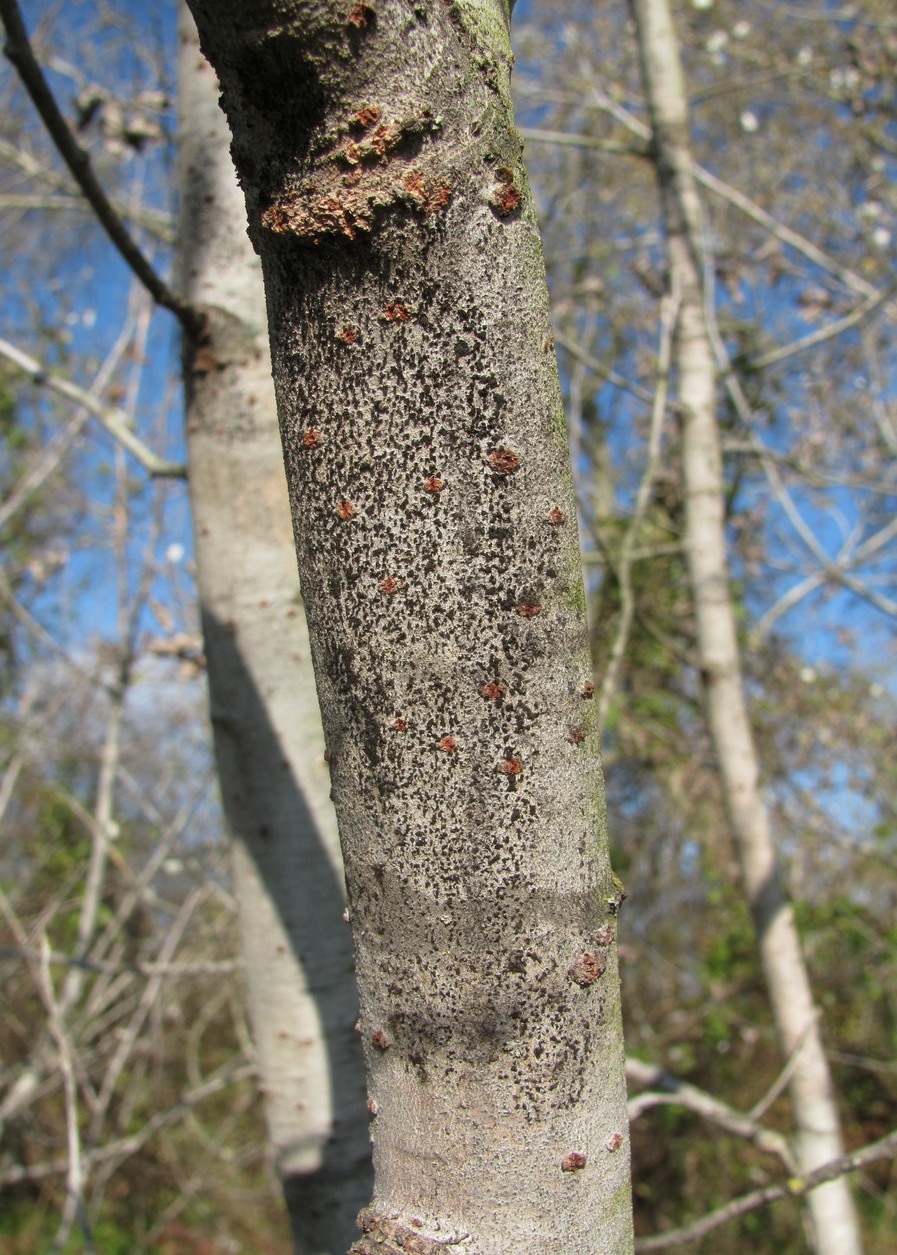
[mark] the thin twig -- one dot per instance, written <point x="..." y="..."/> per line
<point x="680" y="1093"/>
<point x="748" y="207"/>
<point x="115" y="421"/>
<point x="215" y="967"/>
<point x="819" y="336"/>
<point x="18" y="50"/>
<point x="796" y="1187"/>
<point x="669" y="313"/>
<point x="74" y="1206"/>
<point x="604" y="372"/>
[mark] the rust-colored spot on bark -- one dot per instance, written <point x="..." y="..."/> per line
<point x="556" y="516"/>
<point x="361" y="15"/>
<point x="492" y="691"/>
<point x="345" y="509"/>
<point x="574" y="1162"/>
<point x="448" y="744"/>
<point x="348" y="335"/>
<point x="414" y="183"/>
<point x="576" y="736"/>
<point x="587" y="689"/>
<point x="512" y="766"/>
<point x="586" y="970"/>
<point x="505" y="196"/>
<point x="397" y="311"/>
<point x="504" y="461"/>
<point x="311" y="438"/>
<point x="390" y="586"/>
<point x="529" y="609"/>
<point x="400" y="725"/>
<point x="379" y="1039"/>
<point x="352" y="153"/>
<point x="437" y="197"/>
<point x="384" y="138"/>
<point x="615" y="1142"/>
<point x="367" y="117"/>
<point x="431" y="197"/>
<point x="433" y="484"/>
<point x="372" y="1107"/>
<point x="605" y="935"/>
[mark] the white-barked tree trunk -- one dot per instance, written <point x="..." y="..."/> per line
<point x="818" y="1132"/>
<point x="269" y="744"/>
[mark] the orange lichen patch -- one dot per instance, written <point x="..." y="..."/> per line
<point x="352" y="153"/>
<point x="297" y="214"/>
<point x="311" y="438"/>
<point x="414" y="182"/>
<point x="587" y="969"/>
<point x="361" y="15"/>
<point x="437" y="198"/>
<point x="504" y="462"/>
<point x="345" y="509"/>
<point x="492" y="691"/>
<point x="615" y="1142"/>
<point x="556" y="516"/>
<point x="512" y="766"/>
<point x="505" y="196"/>
<point x="448" y="744"/>
<point x="576" y="736"/>
<point x="400" y="725"/>
<point x="433" y="197"/>
<point x="390" y="586"/>
<point x="573" y="1162"/>
<point x="372" y="1107"/>
<point x="587" y="689"/>
<point x="397" y="311"/>
<point x="348" y="335"/>
<point x="529" y="609"/>
<point x="367" y="117"/>
<point x="379" y="1039"/>
<point x="384" y="138"/>
<point x="433" y="484"/>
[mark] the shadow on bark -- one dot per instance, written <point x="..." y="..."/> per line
<point x="273" y="822"/>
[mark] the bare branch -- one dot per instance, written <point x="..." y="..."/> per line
<point x="115" y="421"/>
<point x="74" y="1205"/>
<point x="833" y="329"/>
<point x="680" y="1093"/>
<point x="18" y="50"/>
<point x="669" y="312"/>
<point x="753" y="211"/>
<point x="795" y="1187"/>
<point x="604" y="372"/>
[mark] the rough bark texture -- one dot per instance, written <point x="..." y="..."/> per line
<point x="796" y="1018"/>
<point x="436" y="529"/>
<point x="268" y="738"/>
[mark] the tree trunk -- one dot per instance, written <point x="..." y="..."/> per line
<point x="267" y="729"/>
<point x="796" y="1018"/>
<point x="436" y="529"/>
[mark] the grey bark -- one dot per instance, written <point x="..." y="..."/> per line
<point x="818" y="1132"/>
<point x="436" y="530"/>
<point x="268" y="739"/>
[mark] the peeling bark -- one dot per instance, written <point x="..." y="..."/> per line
<point x="434" y="516"/>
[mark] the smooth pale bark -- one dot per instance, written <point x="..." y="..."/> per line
<point x="436" y="530"/>
<point x="818" y="1132"/>
<point x="287" y="873"/>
